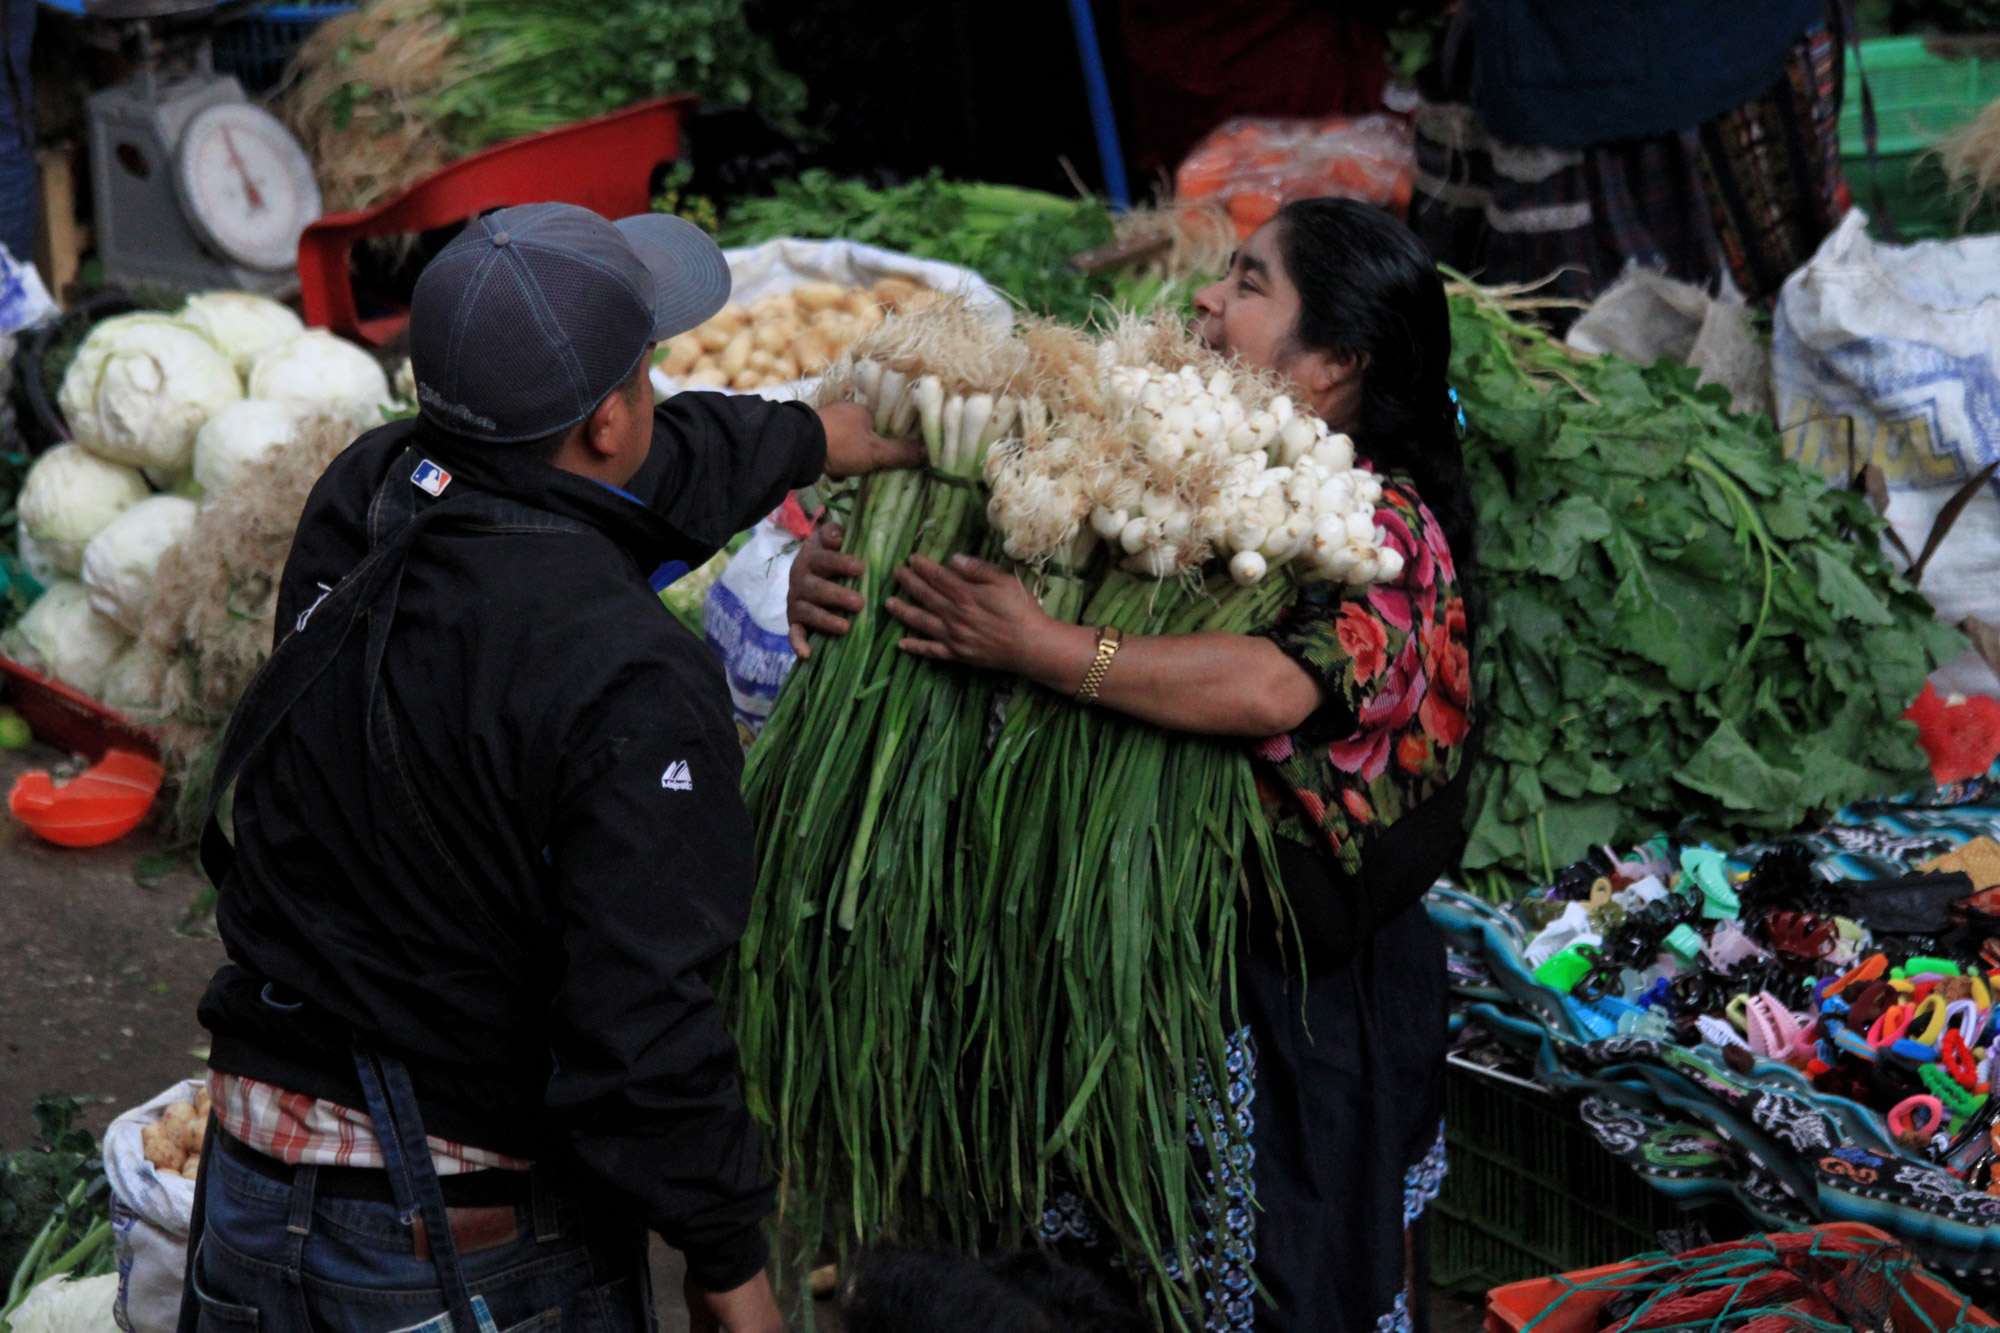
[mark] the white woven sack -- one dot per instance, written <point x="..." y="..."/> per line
<point x="779" y="265"/>
<point x="150" y="1214"/>
<point x="1891" y="354"/>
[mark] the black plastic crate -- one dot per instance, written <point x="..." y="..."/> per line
<point x="1530" y="1192"/>
<point x="257" y="47"/>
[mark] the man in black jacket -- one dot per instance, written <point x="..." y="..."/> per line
<point x="489" y="845"/>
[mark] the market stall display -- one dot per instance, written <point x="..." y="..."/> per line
<point x="940" y="1105"/>
<point x="1679" y="625"/>
<point x="384" y="96"/>
<point x="1802" y="1027"/>
<point x="161" y="568"/>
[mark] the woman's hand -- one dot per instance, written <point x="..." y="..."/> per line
<point x="815" y="599"/>
<point x="974" y="613"/>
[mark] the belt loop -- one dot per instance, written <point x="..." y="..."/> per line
<point x="547" y="1228"/>
<point x="305" y="1182"/>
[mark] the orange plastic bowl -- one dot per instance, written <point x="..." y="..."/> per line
<point x="99" y="805"/>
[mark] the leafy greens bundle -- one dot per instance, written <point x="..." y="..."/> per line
<point x="1679" y="626"/>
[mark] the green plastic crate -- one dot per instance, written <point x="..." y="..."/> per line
<point x="1924" y="88"/>
<point x="1530" y="1192"/>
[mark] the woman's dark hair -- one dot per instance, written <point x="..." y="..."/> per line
<point x="1368" y="287"/>
<point x="912" y="1291"/>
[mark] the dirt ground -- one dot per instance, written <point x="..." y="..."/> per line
<point x="97" y="986"/>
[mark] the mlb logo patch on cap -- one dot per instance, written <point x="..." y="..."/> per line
<point x="430" y="477"/>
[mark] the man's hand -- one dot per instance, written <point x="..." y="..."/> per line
<point x="750" y="1308"/>
<point x="814" y="600"/>
<point x="853" y="447"/>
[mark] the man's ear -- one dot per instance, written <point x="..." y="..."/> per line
<point x="604" y="428"/>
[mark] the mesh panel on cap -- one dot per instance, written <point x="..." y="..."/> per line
<point x="607" y="321"/>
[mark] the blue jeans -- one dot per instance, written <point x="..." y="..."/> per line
<point x="281" y="1258"/>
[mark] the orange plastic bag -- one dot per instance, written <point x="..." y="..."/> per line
<point x="1256" y="165"/>
<point x="103" y="803"/>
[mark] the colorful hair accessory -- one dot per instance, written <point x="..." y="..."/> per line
<point x="1963" y="1103"/>
<point x="1868" y="969"/>
<point x="1944" y="967"/>
<point x="1718" y="1033"/>
<point x="1927" y="1020"/>
<point x="1775" y="1032"/>
<point x="1966" y="1019"/>
<point x="1890" y="1027"/>
<point x="1903" y="1117"/>
<point x="1853" y="1043"/>
<point x="1957" y="1059"/>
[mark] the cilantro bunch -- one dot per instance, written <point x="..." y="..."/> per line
<point x="1679" y="627"/>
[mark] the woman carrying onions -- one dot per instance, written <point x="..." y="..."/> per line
<point x="1358" y="707"/>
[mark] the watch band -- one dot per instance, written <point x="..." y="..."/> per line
<point x="1108" y="640"/>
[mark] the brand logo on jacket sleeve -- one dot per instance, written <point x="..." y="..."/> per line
<point x="430" y="477"/>
<point x="677" y="778"/>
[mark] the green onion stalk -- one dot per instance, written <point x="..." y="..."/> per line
<point x="1111" y="859"/>
<point x="855" y="786"/>
<point x="979" y="965"/>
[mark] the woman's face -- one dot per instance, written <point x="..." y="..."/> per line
<point x="1253" y="313"/>
<point x="1254" y="309"/>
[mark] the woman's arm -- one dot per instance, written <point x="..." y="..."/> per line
<point x="1219" y="684"/>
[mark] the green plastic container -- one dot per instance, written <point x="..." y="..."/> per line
<point x="1924" y="88"/>
<point x="1530" y="1192"/>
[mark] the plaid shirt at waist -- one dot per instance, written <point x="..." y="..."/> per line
<point x="301" y="1130"/>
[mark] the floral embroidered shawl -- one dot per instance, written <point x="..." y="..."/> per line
<point x="1394" y="663"/>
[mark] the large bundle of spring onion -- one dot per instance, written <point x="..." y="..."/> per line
<point x="987" y="957"/>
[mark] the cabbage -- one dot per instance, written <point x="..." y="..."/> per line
<point x="63" y="1304"/>
<point x="35" y="558"/>
<point x="119" y="563"/>
<point x="69" y="496"/>
<point x="241" y="324"/>
<point x="319" y="372"/>
<point x="62" y="636"/>
<point x="132" y="682"/>
<point x="237" y="438"/>
<point x="140" y="387"/>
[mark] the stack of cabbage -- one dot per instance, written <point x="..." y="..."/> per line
<point x="165" y="410"/>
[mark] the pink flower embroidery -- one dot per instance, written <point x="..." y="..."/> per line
<point x="1366" y="753"/>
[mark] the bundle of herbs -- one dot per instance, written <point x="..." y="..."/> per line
<point x="1680" y="628"/>
<point x="977" y="961"/>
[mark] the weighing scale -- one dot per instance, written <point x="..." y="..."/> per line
<point x="195" y="186"/>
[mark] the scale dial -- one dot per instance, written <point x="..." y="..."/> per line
<point x="246" y="184"/>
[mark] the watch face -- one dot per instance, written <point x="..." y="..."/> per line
<point x="246" y="185"/>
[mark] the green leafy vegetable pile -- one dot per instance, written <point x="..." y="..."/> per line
<point x="1017" y="239"/>
<point x="1678" y="623"/>
<point x="533" y="64"/>
<point x="55" y="1205"/>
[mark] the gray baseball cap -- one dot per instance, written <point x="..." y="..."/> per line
<point x="522" y="325"/>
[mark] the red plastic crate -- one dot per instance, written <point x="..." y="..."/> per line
<point x="1571" y="1309"/>
<point x="70" y="719"/>
<point x="605" y="164"/>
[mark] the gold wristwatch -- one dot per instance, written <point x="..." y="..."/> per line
<point x="1108" y="640"/>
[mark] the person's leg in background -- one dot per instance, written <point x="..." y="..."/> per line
<point x="17" y="132"/>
